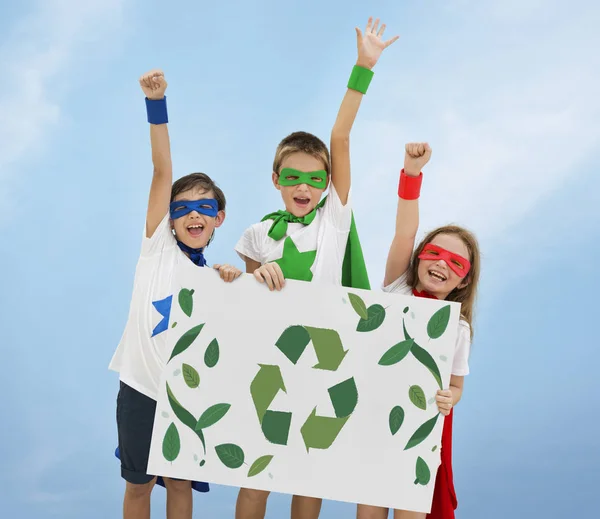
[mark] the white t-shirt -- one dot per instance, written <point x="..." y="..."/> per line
<point x="460" y="365"/>
<point x="324" y="239"/>
<point x="140" y="356"/>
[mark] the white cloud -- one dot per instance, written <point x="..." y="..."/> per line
<point x="38" y="59"/>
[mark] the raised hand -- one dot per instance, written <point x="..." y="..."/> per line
<point x="417" y="155"/>
<point x="370" y="45"/>
<point x="153" y="84"/>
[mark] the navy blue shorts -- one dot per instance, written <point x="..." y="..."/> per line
<point x="135" y="421"/>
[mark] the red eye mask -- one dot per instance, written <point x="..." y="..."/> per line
<point x="458" y="264"/>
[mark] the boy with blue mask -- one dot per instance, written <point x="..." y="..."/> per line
<point x="180" y="222"/>
<point x="313" y="239"/>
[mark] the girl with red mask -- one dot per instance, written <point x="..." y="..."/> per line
<point x="445" y="265"/>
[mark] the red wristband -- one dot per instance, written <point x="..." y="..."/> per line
<point x="409" y="187"/>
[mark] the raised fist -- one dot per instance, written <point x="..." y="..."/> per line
<point x="153" y="84"/>
<point x="417" y="155"/>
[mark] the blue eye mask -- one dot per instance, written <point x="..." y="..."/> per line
<point x="205" y="206"/>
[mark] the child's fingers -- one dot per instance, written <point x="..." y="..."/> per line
<point x="268" y="278"/>
<point x="376" y="26"/>
<point x="280" y="275"/>
<point x="444" y="412"/>
<point x="224" y="272"/>
<point x="390" y="41"/>
<point x="274" y="275"/>
<point x="411" y="149"/>
<point x="258" y="276"/>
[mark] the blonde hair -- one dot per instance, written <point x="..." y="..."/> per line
<point x="301" y="142"/>
<point x="467" y="294"/>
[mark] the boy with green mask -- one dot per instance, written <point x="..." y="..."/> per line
<point x="312" y="239"/>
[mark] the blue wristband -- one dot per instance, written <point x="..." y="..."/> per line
<point x="157" y="110"/>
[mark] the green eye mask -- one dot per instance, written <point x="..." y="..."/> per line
<point x="293" y="177"/>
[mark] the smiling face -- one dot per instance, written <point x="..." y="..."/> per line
<point x="195" y="229"/>
<point x="300" y="199"/>
<point x="436" y="276"/>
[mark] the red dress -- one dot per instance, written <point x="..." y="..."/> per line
<point x="444" y="497"/>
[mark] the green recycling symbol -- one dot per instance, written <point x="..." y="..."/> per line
<point x="318" y="432"/>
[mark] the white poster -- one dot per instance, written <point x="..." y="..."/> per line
<point x="315" y="390"/>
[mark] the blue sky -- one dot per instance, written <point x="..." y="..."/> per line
<point x="506" y="94"/>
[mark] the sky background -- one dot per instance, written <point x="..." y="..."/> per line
<point x="505" y="92"/>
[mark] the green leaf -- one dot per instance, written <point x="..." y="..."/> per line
<point x="259" y="465"/>
<point x="422" y="472"/>
<point x="185" y="416"/>
<point x="406" y="336"/>
<point x="359" y="306"/>
<point x="375" y="317"/>
<point x="230" y="455"/>
<point x="405" y="309"/>
<point x="434" y="448"/>
<point x="174" y="324"/>
<point x="212" y="415"/>
<point x="417" y="397"/>
<point x="396" y="353"/>
<point x="421" y="433"/>
<point x="186" y="301"/>
<point x="171" y="443"/>
<point x="200" y="435"/>
<point x="185" y="341"/>
<point x="211" y="356"/>
<point x="438" y="322"/>
<point x="427" y="360"/>
<point x="191" y="376"/>
<point x="202" y="462"/>
<point x="396" y="419"/>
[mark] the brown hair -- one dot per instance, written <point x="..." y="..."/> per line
<point x="301" y="142"/>
<point x="467" y="294"/>
<point x="198" y="181"/>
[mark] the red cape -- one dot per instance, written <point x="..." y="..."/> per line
<point x="444" y="497"/>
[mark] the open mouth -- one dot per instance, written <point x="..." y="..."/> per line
<point x="436" y="276"/>
<point x="302" y="202"/>
<point x="195" y="230"/>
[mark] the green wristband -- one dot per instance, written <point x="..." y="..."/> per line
<point x="360" y="79"/>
